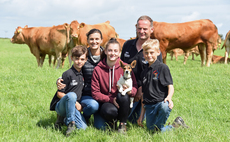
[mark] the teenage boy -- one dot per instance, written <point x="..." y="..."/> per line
<point x="157" y="88"/>
<point x="65" y="101"/>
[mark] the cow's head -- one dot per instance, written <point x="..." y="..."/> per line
<point x="74" y="29"/>
<point x="18" y="37"/>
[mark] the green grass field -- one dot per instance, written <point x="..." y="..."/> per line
<point x="201" y="97"/>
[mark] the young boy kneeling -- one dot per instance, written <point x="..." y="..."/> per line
<point x="157" y="88"/>
<point x="65" y="101"/>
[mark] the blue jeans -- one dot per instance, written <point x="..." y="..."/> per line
<point x="99" y="122"/>
<point x="90" y="106"/>
<point x="157" y="115"/>
<point x="135" y="112"/>
<point x="66" y="108"/>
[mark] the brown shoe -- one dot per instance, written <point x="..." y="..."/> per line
<point x="179" y="122"/>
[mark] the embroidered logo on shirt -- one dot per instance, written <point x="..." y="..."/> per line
<point x="127" y="54"/>
<point x="155" y="75"/>
<point x="74" y="82"/>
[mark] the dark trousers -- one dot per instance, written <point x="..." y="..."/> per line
<point x="110" y="112"/>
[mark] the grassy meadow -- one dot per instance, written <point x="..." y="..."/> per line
<point x="201" y="98"/>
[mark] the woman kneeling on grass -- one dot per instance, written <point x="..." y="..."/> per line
<point x="113" y="105"/>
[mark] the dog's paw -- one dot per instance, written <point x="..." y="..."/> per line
<point x="131" y="105"/>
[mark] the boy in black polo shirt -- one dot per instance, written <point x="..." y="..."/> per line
<point x="65" y="101"/>
<point x="157" y="88"/>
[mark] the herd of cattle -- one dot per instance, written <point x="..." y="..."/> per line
<point x="198" y="37"/>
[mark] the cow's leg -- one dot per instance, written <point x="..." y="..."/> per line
<point x="202" y="53"/>
<point x="209" y="53"/>
<point x="193" y="56"/>
<point x="54" y="61"/>
<point x="59" y="58"/>
<point x="226" y="55"/>
<point x="175" y="53"/>
<point x="171" y="54"/>
<point x="164" y="56"/>
<point x="42" y="59"/>
<point x="36" y="53"/>
<point x="186" y="55"/>
<point x="50" y="59"/>
<point x="63" y="59"/>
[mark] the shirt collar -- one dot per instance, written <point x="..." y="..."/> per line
<point x="154" y="64"/>
<point x="75" y="71"/>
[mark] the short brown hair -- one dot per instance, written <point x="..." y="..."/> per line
<point x="79" y="50"/>
<point x="151" y="44"/>
<point x="145" y="17"/>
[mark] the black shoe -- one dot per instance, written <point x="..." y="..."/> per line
<point x="122" y="128"/>
<point x="179" y="122"/>
<point x="71" y="127"/>
<point x="59" y="122"/>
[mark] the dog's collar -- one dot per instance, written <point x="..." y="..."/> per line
<point x="126" y="78"/>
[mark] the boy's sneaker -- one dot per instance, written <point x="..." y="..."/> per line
<point x="71" y="127"/>
<point x="122" y="128"/>
<point x="59" y="122"/>
<point x="179" y="122"/>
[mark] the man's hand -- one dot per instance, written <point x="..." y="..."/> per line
<point x="60" y="85"/>
<point x="138" y="95"/>
<point x="139" y="121"/>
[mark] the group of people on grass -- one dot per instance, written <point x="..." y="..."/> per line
<point x="89" y="87"/>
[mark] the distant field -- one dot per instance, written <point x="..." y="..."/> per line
<point x="201" y="97"/>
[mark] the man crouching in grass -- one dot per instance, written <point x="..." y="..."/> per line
<point x="157" y="88"/>
<point x="65" y="101"/>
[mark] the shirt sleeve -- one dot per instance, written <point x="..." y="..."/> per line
<point x="165" y="76"/>
<point x="95" y="88"/>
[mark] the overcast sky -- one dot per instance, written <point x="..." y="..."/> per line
<point x="122" y="14"/>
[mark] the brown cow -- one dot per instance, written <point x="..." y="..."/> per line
<point x="79" y="31"/>
<point x="219" y="42"/>
<point x="219" y="59"/>
<point x="187" y="35"/>
<point x="178" y="52"/>
<point x="121" y="41"/>
<point x="44" y="40"/>
<point x="227" y="46"/>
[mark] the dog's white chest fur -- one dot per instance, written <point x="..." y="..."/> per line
<point x="127" y="82"/>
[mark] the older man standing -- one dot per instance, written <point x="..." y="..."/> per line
<point x="132" y="50"/>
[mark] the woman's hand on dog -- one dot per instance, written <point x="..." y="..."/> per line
<point x="125" y="87"/>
